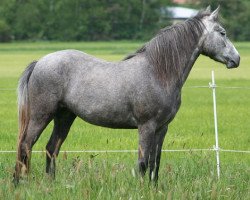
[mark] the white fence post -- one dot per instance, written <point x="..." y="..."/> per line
<point x="216" y="147"/>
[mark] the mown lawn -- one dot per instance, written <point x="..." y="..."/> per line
<point x="190" y="175"/>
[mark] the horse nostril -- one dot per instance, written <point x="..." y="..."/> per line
<point x="233" y="63"/>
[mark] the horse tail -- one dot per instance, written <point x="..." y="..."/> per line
<point x="23" y="106"/>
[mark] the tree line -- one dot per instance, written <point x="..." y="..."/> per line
<point x="73" y="20"/>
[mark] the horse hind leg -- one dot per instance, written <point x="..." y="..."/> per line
<point x="62" y="122"/>
<point x="36" y="125"/>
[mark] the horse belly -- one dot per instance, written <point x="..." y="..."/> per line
<point x="111" y="119"/>
<point x="103" y="113"/>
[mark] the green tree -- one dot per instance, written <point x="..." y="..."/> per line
<point x="5" y="32"/>
<point x="5" y="29"/>
<point x="81" y="19"/>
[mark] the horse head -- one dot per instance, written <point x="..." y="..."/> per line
<point x="215" y="42"/>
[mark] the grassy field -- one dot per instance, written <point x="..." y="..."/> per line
<point x="189" y="175"/>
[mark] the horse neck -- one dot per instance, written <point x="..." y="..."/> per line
<point x="189" y="64"/>
<point x="186" y="64"/>
<point x="173" y="53"/>
<point x="178" y="80"/>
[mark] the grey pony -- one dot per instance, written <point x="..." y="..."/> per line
<point x="141" y="92"/>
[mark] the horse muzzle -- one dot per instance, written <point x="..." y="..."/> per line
<point x="233" y="63"/>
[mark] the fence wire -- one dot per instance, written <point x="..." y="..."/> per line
<point x="135" y="151"/>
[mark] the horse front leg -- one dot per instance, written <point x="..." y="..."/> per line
<point x="155" y="154"/>
<point x="146" y="140"/>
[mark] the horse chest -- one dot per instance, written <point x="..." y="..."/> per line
<point x="170" y="108"/>
<point x="162" y="108"/>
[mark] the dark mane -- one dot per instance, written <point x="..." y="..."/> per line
<point x="169" y="50"/>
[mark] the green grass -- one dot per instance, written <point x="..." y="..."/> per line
<point x="189" y="175"/>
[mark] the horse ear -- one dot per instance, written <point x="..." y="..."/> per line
<point x="208" y="9"/>
<point x="215" y="15"/>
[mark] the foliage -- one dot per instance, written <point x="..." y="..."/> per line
<point x="82" y="19"/>
<point x="75" y="20"/>
<point x="5" y="32"/>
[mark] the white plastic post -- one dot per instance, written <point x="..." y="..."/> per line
<point x="216" y="147"/>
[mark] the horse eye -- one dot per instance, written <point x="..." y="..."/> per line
<point x="223" y="33"/>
